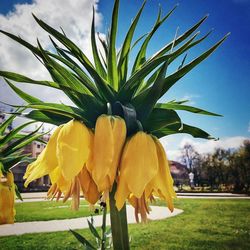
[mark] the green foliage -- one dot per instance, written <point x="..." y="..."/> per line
<point x="47" y="210"/>
<point x="210" y="224"/>
<point x="11" y="144"/>
<point x="101" y="241"/>
<point x="90" y="86"/>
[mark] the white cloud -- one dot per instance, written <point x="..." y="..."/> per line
<point x="202" y="146"/>
<point x="73" y="16"/>
<point x="248" y="127"/>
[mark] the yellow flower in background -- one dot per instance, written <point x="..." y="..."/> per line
<point x="109" y="138"/>
<point x="7" y="198"/>
<point x="144" y="173"/>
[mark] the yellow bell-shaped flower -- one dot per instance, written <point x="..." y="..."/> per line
<point x="7" y="198"/>
<point x="68" y="148"/>
<point x="139" y="165"/>
<point x="63" y="158"/>
<point x="162" y="184"/>
<point x="109" y="138"/>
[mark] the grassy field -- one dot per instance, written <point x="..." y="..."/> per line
<point x="205" y="224"/>
<point x="49" y="210"/>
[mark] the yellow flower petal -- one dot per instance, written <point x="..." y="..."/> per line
<point x="88" y="186"/>
<point x="139" y="163"/>
<point x="121" y="194"/>
<point x="109" y="138"/>
<point x="162" y="183"/>
<point x="103" y="151"/>
<point x="73" y="148"/>
<point x="57" y="178"/>
<point x="45" y="162"/>
<point x="119" y="134"/>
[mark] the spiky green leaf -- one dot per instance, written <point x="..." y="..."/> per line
<point x="112" y="64"/>
<point x="176" y="106"/>
<point x="81" y="239"/>
<point x="185" y="129"/>
<point x="141" y="56"/>
<point x="28" y="98"/>
<point x="126" y="47"/>
<point x="98" y="64"/>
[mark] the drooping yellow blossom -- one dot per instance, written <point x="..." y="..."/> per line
<point x="63" y="159"/>
<point x="144" y="174"/>
<point x="68" y="148"/>
<point x="73" y="148"/>
<point x="7" y="198"/>
<point x="139" y="165"/>
<point x="162" y="184"/>
<point x="109" y="138"/>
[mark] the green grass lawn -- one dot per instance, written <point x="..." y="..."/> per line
<point x="49" y="210"/>
<point x="205" y="224"/>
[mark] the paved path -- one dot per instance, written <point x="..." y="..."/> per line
<point x="212" y="196"/>
<point x="157" y="213"/>
<point x="31" y="197"/>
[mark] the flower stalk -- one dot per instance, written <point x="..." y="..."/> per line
<point x="104" y="226"/>
<point x="119" y="223"/>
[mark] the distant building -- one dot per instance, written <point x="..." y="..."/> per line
<point x="34" y="149"/>
<point x="43" y="183"/>
<point x="179" y="173"/>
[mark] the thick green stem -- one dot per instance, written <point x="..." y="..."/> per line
<point x="119" y="224"/>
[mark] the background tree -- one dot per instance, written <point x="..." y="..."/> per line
<point x="240" y="167"/>
<point x="191" y="158"/>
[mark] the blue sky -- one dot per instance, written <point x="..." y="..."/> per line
<point x="221" y="83"/>
<point x="8" y="5"/>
